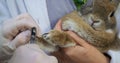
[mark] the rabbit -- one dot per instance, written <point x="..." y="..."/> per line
<point x="95" y="23"/>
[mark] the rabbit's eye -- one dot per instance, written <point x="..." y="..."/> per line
<point x="112" y="14"/>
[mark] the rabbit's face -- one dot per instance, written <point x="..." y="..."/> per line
<point x="101" y="15"/>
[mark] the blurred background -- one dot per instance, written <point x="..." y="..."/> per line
<point x="78" y="3"/>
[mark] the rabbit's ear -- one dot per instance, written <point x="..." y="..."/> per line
<point x="87" y="7"/>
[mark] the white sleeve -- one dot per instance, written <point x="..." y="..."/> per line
<point x="115" y="56"/>
<point x="4" y="12"/>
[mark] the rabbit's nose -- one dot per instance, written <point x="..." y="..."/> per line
<point x="45" y="34"/>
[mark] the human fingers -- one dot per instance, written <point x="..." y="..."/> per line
<point x="58" y="25"/>
<point x="76" y="53"/>
<point x="77" y="38"/>
<point x="80" y="54"/>
<point x="71" y="50"/>
<point x="31" y="53"/>
<point x="20" y="39"/>
<point x="16" y="25"/>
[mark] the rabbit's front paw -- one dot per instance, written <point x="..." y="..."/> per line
<point x="48" y="38"/>
<point x="58" y="38"/>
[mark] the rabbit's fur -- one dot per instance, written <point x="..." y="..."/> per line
<point x="95" y="23"/>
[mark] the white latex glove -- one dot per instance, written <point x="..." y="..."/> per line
<point x="15" y="32"/>
<point x="31" y="53"/>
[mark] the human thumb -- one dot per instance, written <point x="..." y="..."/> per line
<point x="21" y="39"/>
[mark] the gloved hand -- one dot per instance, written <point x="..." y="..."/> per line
<point x="31" y="53"/>
<point x="15" y="32"/>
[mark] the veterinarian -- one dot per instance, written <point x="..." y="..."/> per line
<point x="21" y="15"/>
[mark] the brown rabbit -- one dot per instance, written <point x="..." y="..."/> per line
<point x="95" y="23"/>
